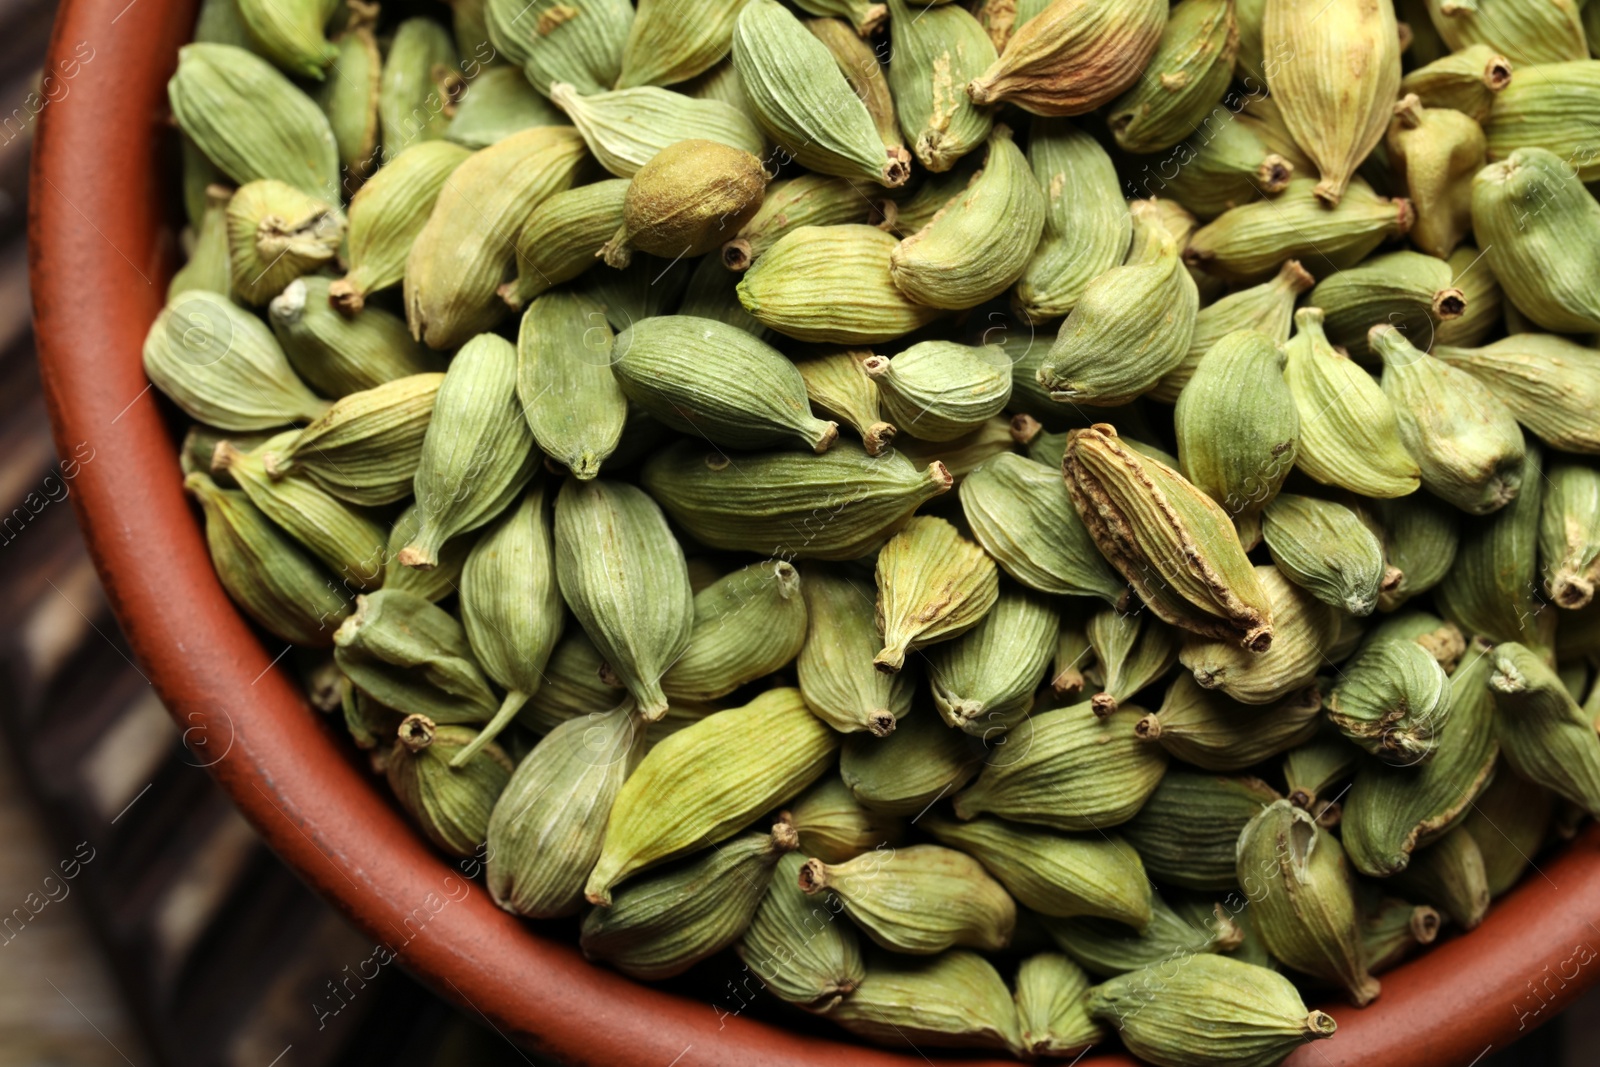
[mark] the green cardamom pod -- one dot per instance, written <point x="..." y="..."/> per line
<point x="627" y="128"/>
<point x="1306" y="631"/>
<point x="575" y="684"/>
<point x="1324" y="548"/>
<point x="1073" y="56"/>
<point x="941" y="390"/>
<point x="276" y="233"/>
<point x="478" y="452"/>
<point x="496" y="104"/>
<point x="700" y="785"/>
<point x="200" y="448"/>
<point x="1213" y="732"/>
<point x="865" y="16"/>
<point x="1551" y="385"/>
<point x="1185" y="77"/>
<point x="1569" y="534"/>
<point x="838" y="385"/>
<point x="207" y="267"/>
<point x="689" y="198"/>
<point x="933" y="585"/>
<point x="435" y="584"/>
<point x="918" y="899"/>
<point x="565" y="386"/>
<point x="1409" y="291"/>
<point x="545" y="831"/>
<point x="1436" y="152"/>
<point x="806" y="200"/>
<point x="1551" y="109"/>
<point x="561" y="237"/>
<point x="905" y="772"/>
<point x="1002" y="18"/>
<point x="953" y="1000"/>
<point x="451" y="805"/>
<point x="840" y="505"/>
<point x="1394" y="701"/>
<point x="623" y="575"/>
<point x="1312" y="770"/>
<point x="713" y="293"/>
<point x="935" y="192"/>
<point x="746" y="626"/>
<point x="986" y="678"/>
<point x="1534" y="33"/>
<point x="1053" y="874"/>
<point x="1052" y="1007"/>
<point x="835" y="668"/>
<point x="1510" y="821"/>
<point x="936" y="52"/>
<point x="797" y="946"/>
<point x="1444" y="640"/>
<point x="222" y="366"/>
<point x="858" y="61"/>
<point x="1187" y="831"/>
<point x="418" y="86"/>
<point x="350" y="97"/>
<point x="834" y="826"/>
<point x="412" y="656"/>
<point x="1391" y="928"/>
<point x="1544" y="735"/>
<point x="1450" y="875"/>
<point x="667" y="45"/>
<point x="1131" y="651"/>
<point x="1266" y="309"/>
<point x="1228" y="164"/>
<point x="1105" y="947"/>
<point x="340" y="354"/>
<point x="556" y="41"/>
<point x="1420" y="535"/>
<point x="1468" y="81"/>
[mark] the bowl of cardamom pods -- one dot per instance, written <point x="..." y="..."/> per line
<point x="752" y="531"/>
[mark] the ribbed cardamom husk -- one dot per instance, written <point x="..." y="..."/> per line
<point x="961" y="456"/>
<point x="340" y="354"/>
<point x="222" y="366"/>
<point x="386" y="216"/>
<point x="1393" y="700"/>
<point x="1197" y="1011"/>
<point x="1391" y="812"/>
<point x="565" y="386"/>
<point x="832" y="284"/>
<point x="985" y="679"/>
<point x="1324" y="548"/>
<point x="1306" y="631"/>
<point x="954" y="1000"/>
<point x="1420" y="536"/>
<point x="1450" y="875"/>
<point x="450" y="805"/>
<point x="1068" y="769"/>
<point x="1550" y="108"/>
<point x="555" y="42"/>
<point x="1436" y="152"/>
<point x="904" y="773"/>
<point x="627" y="128"/>
<point x="207" y="266"/>
<point x="1184" y="79"/>
<point x="546" y="828"/>
<point x="496" y="103"/>
<point x="1409" y="291"/>
<point x="1266" y="309"/>
<point x="1301" y="894"/>
<point x="1226" y="165"/>
<point x="350" y="98"/>
<point x="1174" y="544"/>
<point x="200" y="448"/>
<point x="941" y="390"/>
<point x="290" y="34"/>
<point x="461" y="256"/>
<point x="1510" y="821"/>
<point x="1002" y="18"/>
<point x="1052" y="1010"/>
<point x="835" y="663"/>
<point x="1467" y="442"/>
<point x="1544" y="735"/>
<point x="772" y="502"/>
<point x="1144" y="309"/>
<point x="1537" y="33"/>
<point x="798" y="945"/>
<point x="1053" y="874"/>
<point x="435" y="584"/>
<point x="661" y="925"/>
<point x="1313" y="769"/>
<point x="981" y="241"/>
<point x="803" y="102"/>
<point x="623" y="575"/>
<point x="1238" y="427"/>
<point x="1187" y="831"/>
<point x="277" y="584"/>
<point x="834" y="826"/>
<point x="1540" y="232"/>
<point x="667" y="44"/>
<point x="746" y="625"/>
<point x="291" y="140"/>
<point x="933" y="585"/>
<point x="1569" y="534"/>
<point x="806" y="200"/>
<point x="478" y="452"/>
<point x="1105" y="948"/>
<point x="932" y="194"/>
<point x="918" y="899"/>
<point x="686" y="200"/>
<point x="1337" y="91"/>
<point x="1087" y="226"/>
<point x="1391" y="928"/>
<point x="1249" y="242"/>
<point x="1073" y="56"/>
<point x="936" y="52"/>
<point x="561" y="237"/>
<point x="1131" y="651"/>
<point x="704" y="377"/>
<point x="837" y="385"/>
<point x="414" y="657"/>
<point x="1349" y="432"/>
<point x="276" y="233"/>
<point x="418" y="86"/>
<point x="858" y="60"/>
<point x="1467" y="81"/>
<point x="1212" y="731"/>
<point x="700" y="785"/>
<point x="1551" y="385"/>
<point x="1443" y="640"/>
<point x="573" y="684"/>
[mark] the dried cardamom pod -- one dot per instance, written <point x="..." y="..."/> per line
<point x="576" y="684"/>
<point x="904" y="773"/>
<point x="746" y="625"/>
<point x="412" y="656"/>
<point x="562" y="236"/>
<point x="842" y="504"/>
<point x="797" y="945"/>
<point x="1337" y="92"/>
<point x="1068" y="769"/>
<point x="1420" y="535"/>
<point x="1443" y="640"/>
<point x="1349" y="432"/>
<point x="433" y="585"/>
<point x="835" y="667"/>
<point x="339" y="354"/>
<point x="1569" y="534"/>
<point x="1002" y="18"/>
<point x="954" y="1000"/>
<point x="1213" y="732"/>
<point x="666" y="45"/>
<point x="1544" y="735"/>
<point x="1540" y="232"/>
<point x="207" y="266"/>
<point x="806" y="200"/>
<point x="1450" y="875"/>
<point x="565" y="385"/>
<point x="918" y="899"/>
<point x="1314" y="768"/>
<point x="985" y="679"/>
<point x="1394" y="701"/>
<point x="1324" y="548"/>
<point x="932" y="195"/>
<point x="1467" y="81"/>
<point x="1391" y="928"/>
<point x="1105" y="948"/>
<point x="1548" y="109"/>
<point x="661" y="925"/>
<point x="1228" y="165"/>
<point x="1266" y="309"/>
<point x="418" y="86"/>
<point x="1187" y="831"/>
<point x="552" y="41"/>
<point x="628" y="127"/>
<point x="1073" y="56"/>
<point x="857" y="60"/>
<point x="803" y="102"/>
<point x="941" y="390"/>
<point x="268" y="575"/>
<point x="387" y="214"/>
<point x="1051" y="1007"/>
<point x="623" y="575"/>
<point x="1131" y="651"/>
<point x="837" y="385"/>
<point x="834" y="826"/>
<point x="1300" y="890"/>
<point x="1534" y="33"/>
<point x="1183" y="80"/>
<point x="982" y="240"/>
<point x="1053" y="874"/>
<point x="276" y="233"/>
<point x="1551" y="385"/>
<point x="546" y="828"/>
<point x="495" y="104"/>
<point x="1144" y="309"/>
<point x="936" y="52"/>
<point x="450" y="805"/>
<point x="216" y="83"/>
<point x="933" y="585"/>
<point x="200" y="448"/>
<point x="1435" y="152"/>
<point x="1173" y="544"/>
<point x="460" y="257"/>
<point x="963" y="455"/>
<point x="1509" y="820"/>
<point x="291" y="35"/>
<point x="222" y="366"/>
<point x="1306" y="631"/>
<point x="1408" y="291"/>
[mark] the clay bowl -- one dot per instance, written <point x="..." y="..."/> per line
<point x="102" y="226"/>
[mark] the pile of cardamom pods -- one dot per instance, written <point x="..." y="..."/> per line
<point x="1032" y="523"/>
